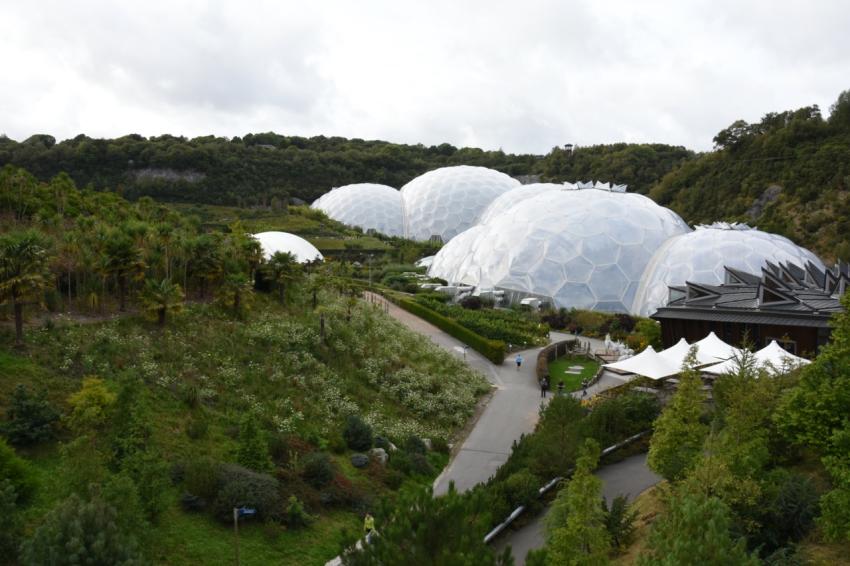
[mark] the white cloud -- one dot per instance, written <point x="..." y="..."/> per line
<point x="520" y="76"/>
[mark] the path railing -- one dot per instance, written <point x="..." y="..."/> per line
<point x="552" y="483"/>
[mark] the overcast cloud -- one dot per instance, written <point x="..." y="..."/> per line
<point x="521" y="76"/>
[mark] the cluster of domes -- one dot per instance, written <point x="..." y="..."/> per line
<point x="440" y="203"/>
<point x="587" y="245"/>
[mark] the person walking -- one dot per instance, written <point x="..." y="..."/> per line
<point x="369" y="527"/>
<point x="518" y="361"/>
<point x="544" y="385"/>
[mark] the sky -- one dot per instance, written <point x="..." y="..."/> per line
<point x="520" y="76"/>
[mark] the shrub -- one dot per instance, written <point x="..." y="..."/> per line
<point x="18" y="472"/>
<point x="414" y="445"/>
<point x="471" y="302"/>
<point x="240" y="487"/>
<point x="10" y="523"/>
<point x="493" y="350"/>
<point x="197" y="427"/>
<point x="393" y="479"/>
<point x="150" y="474"/>
<point x="419" y="465"/>
<point x="357" y="434"/>
<point x="32" y="419"/>
<point x="787" y="512"/>
<point x="201" y="478"/>
<point x="439" y="444"/>
<point x="81" y="532"/>
<point x="295" y="516"/>
<point x="521" y="488"/>
<point x="318" y="469"/>
<point x="253" y="449"/>
<point x="382" y="442"/>
<point x="90" y="405"/>
<point x="620" y="520"/>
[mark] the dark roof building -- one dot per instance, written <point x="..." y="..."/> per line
<point x="786" y="303"/>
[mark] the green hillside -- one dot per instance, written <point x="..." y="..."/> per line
<point x="788" y="173"/>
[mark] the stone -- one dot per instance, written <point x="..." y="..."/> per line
<point x="379" y="455"/>
<point x="359" y="460"/>
<point x="427" y="443"/>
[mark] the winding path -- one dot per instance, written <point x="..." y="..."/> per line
<point x="513" y="410"/>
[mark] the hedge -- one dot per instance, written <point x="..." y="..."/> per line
<point x="493" y="350"/>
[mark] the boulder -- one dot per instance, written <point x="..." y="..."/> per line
<point x="359" y="460"/>
<point x="379" y="455"/>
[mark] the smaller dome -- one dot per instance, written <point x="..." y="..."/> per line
<point x="273" y="242"/>
<point x="700" y="257"/>
<point x="446" y="201"/>
<point x="366" y="205"/>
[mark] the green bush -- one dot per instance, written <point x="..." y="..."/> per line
<point x="522" y="488"/>
<point x="357" y="433"/>
<point x="295" y="516"/>
<point x="318" y="469"/>
<point x="18" y="472"/>
<point x="415" y="445"/>
<point x="82" y="532"/>
<point x="238" y="487"/>
<point x="201" y="478"/>
<point x="620" y="520"/>
<point x="493" y="350"/>
<point x="32" y="419"/>
<point x="10" y="521"/>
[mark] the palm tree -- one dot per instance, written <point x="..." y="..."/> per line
<point x="161" y="298"/>
<point x="24" y="272"/>
<point x="124" y="260"/>
<point x="235" y="291"/>
<point x="281" y="268"/>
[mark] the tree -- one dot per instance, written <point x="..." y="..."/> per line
<point x="78" y="532"/>
<point x="253" y="448"/>
<point x="162" y="298"/>
<point x="10" y="520"/>
<point x="123" y="259"/>
<point x="90" y="406"/>
<point x="583" y="538"/>
<point x="679" y="432"/>
<point x="235" y="292"/>
<point x="694" y="530"/>
<point x="32" y="419"/>
<point x="414" y="527"/>
<point x="18" y="472"/>
<point x="24" y="272"/>
<point x="282" y="268"/>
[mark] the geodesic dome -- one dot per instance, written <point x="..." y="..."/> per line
<point x="366" y="205"/>
<point x="579" y="248"/>
<point x="700" y="256"/>
<point x="273" y="242"/>
<point x="447" y="201"/>
<point x="508" y="200"/>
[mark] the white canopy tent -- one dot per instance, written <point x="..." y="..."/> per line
<point x="648" y="363"/>
<point x="712" y="349"/>
<point x="677" y="352"/>
<point x="773" y="358"/>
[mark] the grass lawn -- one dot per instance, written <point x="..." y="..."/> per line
<point x="572" y="382"/>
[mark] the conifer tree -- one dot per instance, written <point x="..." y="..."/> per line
<point x="583" y="539"/>
<point x="253" y="448"/>
<point x="679" y="432"/>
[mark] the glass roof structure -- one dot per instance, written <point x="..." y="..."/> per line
<point x="700" y="257"/>
<point x="447" y="201"/>
<point x="366" y="205"/>
<point x="508" y="200"/>
<point x="583" y="248"/>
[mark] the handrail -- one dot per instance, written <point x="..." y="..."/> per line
<point x="488" y="538"/>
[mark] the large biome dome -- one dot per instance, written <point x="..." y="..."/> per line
<point x="508" y="200"/>
<point x="579" y="248"/>
<point x="447" y="201"/>
<point x="700" y="256"/>
<point x="273" y="242"/>
<point x="366" y="205"/>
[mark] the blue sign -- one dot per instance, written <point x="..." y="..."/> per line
<point x="246" y="512"/>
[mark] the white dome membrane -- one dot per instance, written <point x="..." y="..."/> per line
<point x="700" y="256"/>
<point x="584" y="249"/>
<point x="447" y="201"/>
<point x="508" y="200"/>
<point x="366" y="205"/>
<point x="273" y="242"/>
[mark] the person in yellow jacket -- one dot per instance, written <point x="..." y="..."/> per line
<point x="369" y="526"/>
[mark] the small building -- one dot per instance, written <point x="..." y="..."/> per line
<point x="787" y="303"/>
